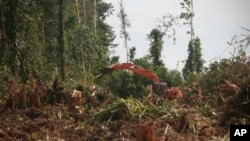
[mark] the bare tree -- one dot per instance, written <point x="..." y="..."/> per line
<point x="188" y="15"/>
<point x="124" y="24"/>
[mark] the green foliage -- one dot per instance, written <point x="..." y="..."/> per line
<point x="194" y="62"/>
<point x="174" y="78"/>
<point x="131" y="108"/>
<point x="156" y="46"/>
<point x="124" y="84"/>
<point x="161" y="72"/>
<point x="188" y="15"/>
<point x="125" y="108"/>
<point x="127" y="86"/>
<point x="223" y="86"/>
<point x="167" y="26"/>
<point x="132" y="54"/>
<point x="31" y="45"/>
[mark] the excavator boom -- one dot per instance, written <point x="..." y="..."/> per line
<point x="135" y="69"/>
<point x="145" y="73"/>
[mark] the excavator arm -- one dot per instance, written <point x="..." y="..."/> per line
<point x="133" y="68"/>
<point x="145" y="73"/>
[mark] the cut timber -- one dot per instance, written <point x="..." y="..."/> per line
<point x="233" y="86"/>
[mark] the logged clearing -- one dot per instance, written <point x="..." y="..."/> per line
<point x="37" y="112"/>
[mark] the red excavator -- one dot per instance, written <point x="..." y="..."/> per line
<point x="159" y="88"/>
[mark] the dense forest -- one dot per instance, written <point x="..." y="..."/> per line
<point x="45" y="39"/>
<point x="49" y="48"/>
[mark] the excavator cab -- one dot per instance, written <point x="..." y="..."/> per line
<point x="159" y="88"/>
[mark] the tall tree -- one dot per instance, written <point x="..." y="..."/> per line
<point x="194" y="62"/>
<point x="12" y="35"/>
<point x="49" y="36"/>
<point x="95" y="14"/>
<point x="81" y="38"/>
<point x="3" y="35"/>
<point x="188" y="15"/>
<point x="124" y="25"/>
<point x="156" y="46"/>
<point x="84" y="11"/>
<point x="61" y="38"/>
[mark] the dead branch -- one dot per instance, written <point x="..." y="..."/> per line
<point x="233" y="86"/>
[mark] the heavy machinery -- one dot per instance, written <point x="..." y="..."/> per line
<point x="159" y="88"/>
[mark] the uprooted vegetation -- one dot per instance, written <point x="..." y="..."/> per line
<point x="213" y="100"/>
<point x="224" y="89"/>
